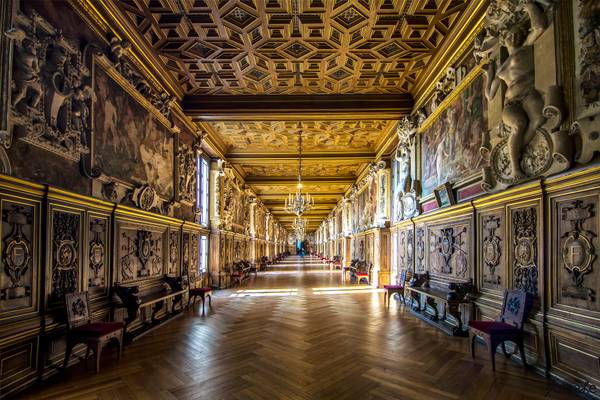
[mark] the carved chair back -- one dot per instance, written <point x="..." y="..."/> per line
<point x="514" y="308"/>
<point x="78" y="312"/>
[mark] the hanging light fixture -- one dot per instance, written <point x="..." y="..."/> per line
<point x="296" y="203"/>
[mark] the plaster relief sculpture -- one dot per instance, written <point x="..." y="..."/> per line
<point x="586" y="128"/>
<point x="186" y="159"/>
<point x="443" y="88"/>
<point x="406" y="204"/>
<point x="578" y="253"/>
<point x="529" y="142"/>
<point x="52" y="92"/>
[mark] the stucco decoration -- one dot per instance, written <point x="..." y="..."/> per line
<point x="529" y="142"/>
<point x="405" y="199"/>
<point x="51" y="89"/>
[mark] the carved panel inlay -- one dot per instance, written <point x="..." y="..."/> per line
<point x="173" y="252"/>
<point x="97" y="252"/>
<point x="140" y="254"/>
<point x="448" y="250"/>
<point x="492" y="250"/>
<point x="420" y="250"/>
<point x="525" y="267"/>
<point x="577" y="249"/>
<point x="65" y="255"/>
<point x="17" y="256"/>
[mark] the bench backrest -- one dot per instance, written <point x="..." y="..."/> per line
<point x="78" y="312"/>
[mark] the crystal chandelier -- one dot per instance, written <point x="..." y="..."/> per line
<point x="296" y="203"/>
<point x="299" y="224"/>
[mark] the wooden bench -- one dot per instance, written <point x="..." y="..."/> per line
<point x="451" y="295"/>
<point x="131" y="299"/>
<point x="239" y="271"/>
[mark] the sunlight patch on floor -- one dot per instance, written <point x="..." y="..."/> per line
<point x="265" y="293"/>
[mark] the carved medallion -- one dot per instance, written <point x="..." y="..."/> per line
<point x="525" y="269"/>
<point x="578" y="252"/>
<point x="65" y="268"/>
<point x="16" y="256"/>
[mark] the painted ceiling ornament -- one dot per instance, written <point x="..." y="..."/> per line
<point x="578" y="253"/>
<point x="52" y="94"/>
<point x="529" y="142"/>
<point x="17" y="253"/>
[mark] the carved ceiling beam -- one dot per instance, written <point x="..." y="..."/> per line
<point x="292" y="158"/>
<point x="297" y="107"/>
<point x="293" y="181"/>
<point x="469" y="24"/>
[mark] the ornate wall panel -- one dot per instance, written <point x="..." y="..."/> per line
<point x="175" y="253"/>
<point x="524" y="250"/>
<point x="140" y="252"/>
<point x="492" y="250"/>
<point x="66" y="254"/>
<point x="20" y="256"/>
<point x="98" y="254"/>
<point x="420" y="248"/>
<point x="18" y="365"/>
<point x="450" y="252"/>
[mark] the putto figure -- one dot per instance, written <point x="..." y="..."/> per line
<point x="523" y="104"/>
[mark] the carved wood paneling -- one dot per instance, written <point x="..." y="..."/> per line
<point x="18" y="365"/>
<point x="98" y="255"/>
<point x="140" y="253"/>
<point x="20" y="257"/>
<point x="449" y="250"/>
<point x="524" y="261"/>
<point x="491" y="244"/>
<point x="66" y="254"/>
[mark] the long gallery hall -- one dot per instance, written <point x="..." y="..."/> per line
<point x="299" y="199"/>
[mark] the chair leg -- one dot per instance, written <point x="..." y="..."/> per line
<point x="98" y="353"/>
<point x="87" y="353"/>
<point x="209" y="300"/>
<point x="493" y="347"/>
<point x="506" y="354"/>
<point x="68" y="353"/>
<point x="120" y="350"/>
<point x="522" y="351"/>
<point x="472" y="341"/>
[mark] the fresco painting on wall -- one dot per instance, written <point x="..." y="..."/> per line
<point x="130" y="142"/>
<point x="450" y="147"/>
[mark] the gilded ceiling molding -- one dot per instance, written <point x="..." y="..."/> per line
<point x="455" y="45"/>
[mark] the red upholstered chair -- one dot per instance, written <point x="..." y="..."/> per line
<point x="80" y="329"/>
<point x="202" y="292"/>
<point x="507" y="327"/>
<point x="396" y="288"/>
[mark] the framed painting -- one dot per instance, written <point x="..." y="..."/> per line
<point x="444" y="195"/>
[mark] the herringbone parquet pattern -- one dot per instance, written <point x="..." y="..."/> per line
<point x="296" y="332"/>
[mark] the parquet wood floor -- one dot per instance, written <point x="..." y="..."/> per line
<point x="296" y="332"/>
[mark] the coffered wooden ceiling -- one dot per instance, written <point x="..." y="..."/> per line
<point x="294" y="46"/>
<point x="252" y="72"/>
<point x="318" y="136"/>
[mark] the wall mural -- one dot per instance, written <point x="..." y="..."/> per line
<point x="450" y="146"/>
<point x="131" y="144"/>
